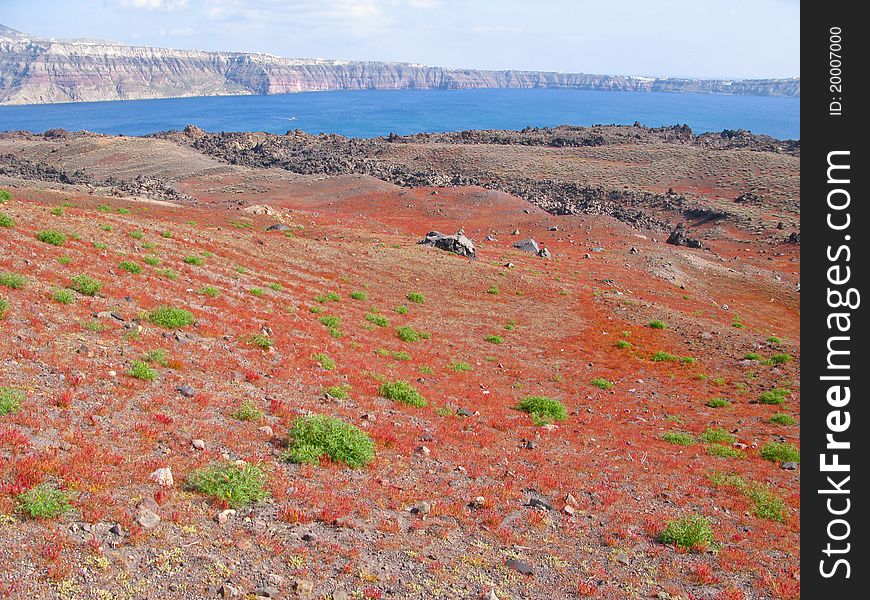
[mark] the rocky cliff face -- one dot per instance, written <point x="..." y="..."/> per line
<point x="44" y="71"/>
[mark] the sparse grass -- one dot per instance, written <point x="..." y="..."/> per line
<point x="781" y="358"/>
<point x="315" y="436"/>
<point x="775" y="396"/>
<point x="601" y="383"/>
<point x="168" y="273"/>
<point x="231" y="484"/>
<point x="94" y="326"/>
<point x="123" y="211"/>
<point x="717" y="403"/>
<point x="426" y="370"/>
<point x="401" y="309"/>
<point x="130" y="267"/>
<point x="193" y="260"/>
<point x="766" y="503"/>
<point x="257" y="292"/>
<point x="5" y="196"/>
<point x="261" y="341"/>
<point x="63" y="296"/>
<point x="141" y="370"/>
<point x="85" y="285"/>
<point x="324" y="361"/>
<point x="379" y="320"/>
<point x="689" y="532"/>
<point x="623" y="344"/>
<point x="247" y="411"/>
<point x="542" y="409"/>
<point x="44" y="502"/>
<point x="723" y="451"/>
<point x="717" y="435"/>
<point x="100" y="245"/>
<point x="13" y="280"/>
<point x="330" y="322"/>
<point x="782" y="419"/>
<point x="171" y="317"/>
<point x="494" y="339"/>
<point x="327" y="297"/>
<point x="737" y="322"/>
<point x="493" y="289"/>
<point x="679" y="438"/>
<point x="359" y="295"/>
<point x="402" y="391"/>
<point x="400" y="355"/>
<point x="510" y="325"/>
<point x="656" y="324"/>
<point x="752" y="356"/>
<point x="315" y="309"/>
<point x="64" y="260"/>
<point x="151" y="261"/>
<point x="6" y="220"/>
<point x="10" y="400"/>
<point x="774" y="340"/>
<point x="156" y="356"/>
<point x="662" y="356"/>
<point x="4" y="308"/>
<point x="166" y="234"/>
<point x="339" y="392"/>
<point x="406" y="333"/>
<point x="416" y="297"/>
<point x="57" y="211"/>
<point x="104" y="208"/>
<point x="136" y="235"/>
<point x="52" y="236"/>
<point x="458" y="366"/>
<point x="275" y="286"/>
<point x="209" y="290"/>
<point x="780" y="452"/>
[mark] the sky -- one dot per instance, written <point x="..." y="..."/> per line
<point x="676" y="38"/>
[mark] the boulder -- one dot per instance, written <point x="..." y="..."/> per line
<point x="528" y="245"/>
<point x="457" y="243"/>
<point x="278" y="227"/>
<point x="679" y="237"/>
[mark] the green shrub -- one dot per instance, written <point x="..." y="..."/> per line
<point x="193" y="260"/>
<point x="723" y="451"/>
<point x="780" y="358"/>
<point x="601" y="383"/>
<point x="493" y="289"/>
<point x="780" y="452"/>
<point x="339" y="392"/>
<point x="327" y="297"/>
<point x="689" y="532"/>
<point x="718" y="403"/>
<point x="209" y="290"/>
<point x="401" y="309"/>
<point x="717" y="435"/>
<point x="247" y="411"/>
<point x="130" y="267"/>
<point x="623" y="344"/>
<point x="379" y="320"/>
<point x="104" y="208"/>
<point x="6" y="220"/>
<point x="315" y="436"/>
<point x="656" y="324"/>
<point x="168" y="273"/>
<point x="275" y="286"/>
<point x="4" y="308"/>
<point x="257" y="291"/>
<point x="63" y="296"/>
<point x="141" y="370"/>
<point x="543" y="409"/>
<point x="774" y="340"/>
<point x="261" y="341"/>
<point x="157" y="356"/>
<point x="315" y="309"/>
<point x="10" y="400"/>
<point x="13" y="280"/>
<point x="400" y="355"/>
<point x="166" y="234"/>
<point x="85" y="285"/>
<point x="774" y="396"/>
<point x="494" y="339"/>
<point x="100" y="245"/>
<point x="123" y="211"/>
<point x="459" y="366"/>
<point x="416" y="298"/>
<point x="324" y="361"/>
<point x="231" y="484"/>
<point x="406" y="333"/>
<point x="57" y="211"/>
<point x="171" y="317"/>
<point x="766" y="503"/>
<point x="44" y="502"/>
<point x="52" y="236"/>
<point x="64" y="260"/>
<point x="510" y="325"/>
<point x="359" y="295"/>
<point x="330" y="322"/>
<point x="752" y="356"/>
<point x="402" y="391"/>
<point x="737" y="322"/>
<point x="662" y="356"/>
<point x="151" y="261"/>
<point x="679" y="438"/>
<point x="5" y="196"/>
<point x="136" y="235"/>
<point x="781" y="419"/>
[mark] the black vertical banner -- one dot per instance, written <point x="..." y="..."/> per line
<point x="835" y="424"/>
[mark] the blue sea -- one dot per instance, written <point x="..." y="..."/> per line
<point x="376" y="113"/>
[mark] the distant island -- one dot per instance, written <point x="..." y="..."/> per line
<point x="39" y="71"/>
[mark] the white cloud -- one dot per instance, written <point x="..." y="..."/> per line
<point x="496" y="29"/>
<point x="154" y="4"/>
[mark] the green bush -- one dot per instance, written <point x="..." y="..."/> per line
<point x="543" y="409"/>
<point x="168" y="273"/>
<point x="401" y="309"/>
<point x="85" y="285"/>
<point x="5" y="196"/>
<point x="678" y="437"/>
<point x="6" y="220"/>
<point x="494" y="339"/>
<point x="52" y="236"/>
<point x="231" y="484"/>
<point x="141" y="370"/>
<point x="327" y="297"/>
<point x="780" y="452"/>
<point x="406" y="333"/>
<point x="717" y="435"/>
<point x="781" y="419"/>
<point x="258" y="292"/>
<point x="662" y="356"/>
<point x="171" y="317"/>
<point x="493" y="289"/>
<point x="10" y="400"/>
<point x="315" y="436"/>
<point x="4" y="308"/>
<point x="157" y="356"/>
<point x="656" y="324"/>
<point x="136" y="235"/>
<point x="166" y="234"/>
<point x="261" y="341"/>
<point x="402" y="391"/>
<point x="379" y="320"/>
<point x="193" y="260"/>
<point x="209" y="290"/>
<point x="774" y="340"/>
<point x="63" y="296"/>
<point x="130" y="267"/>
<point x="460" y="367"/>
<point x="718" y="403"/>
<point x="359" y="295"/>
<point x="623" y="344"/>
<point x="601" y="383"/>
<point x="752" y="356"/>
<point x="723" y="451"/>
<point x="44" y="502"/>
<point x="324" y="361"/>
<point x="57" y="211"/>
<point x="737" y="322"/>
<point x="775" y="396"/>
<point x="780" y="358"/>
<point x="151" y="261"/>
<point x="339" y="392"/>
<point x="330" y="322"/>
<point x="416" y="298"/>
<point x="247" y="411"/>
<point x="13" y="280"/>
<point x="275" y="286"/>
<point x="64" y="260"/>
<point x="766" y="503"/>
<point x="689" y="532"/>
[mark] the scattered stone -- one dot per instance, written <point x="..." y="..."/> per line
<point x="509" y="265"/>
<point x="266" y="430"/>
<point x="679" y="237"/>
<point x="278" y="227"/>
<point x="146" y="514"/>
<point x="302" y="586"/>
<point x="340" y="595"/>
<point x="553" y="228"/>
<point x="527" y="245"/>
<point x="423" y="450"/>
<point x="570" y="499"/>
<point x="186" y="391"/>
<point x="267" y="592"/>
<point x="515" y="232"/>
<point x="117" y="529"/>
<point x="597" y="249"/>
<point x="789" y="466"/>
<point x="424" y="508"/>
<point x="309" y="537"/>
<point x="229" y="591"/>
<point x="491" y="595"/>
<point x="569" y="510"/>
<point x="163" y="477"/>
<point x="538" y="503"/>
<point x="198" y="444"/>
<point x="224" y="516"/>
<point x="479" y="502"/>
<point x="457" y="243"/>
<point x="622" y="557"/>
<point x="490" y="238"/>
<point x="632" y="250"/>
<point x="464" y="413"/>
<point x="544" y="253"/>
<point x="519" y="566"/>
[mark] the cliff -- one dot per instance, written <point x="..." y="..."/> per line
<point x="46" y="71"/>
